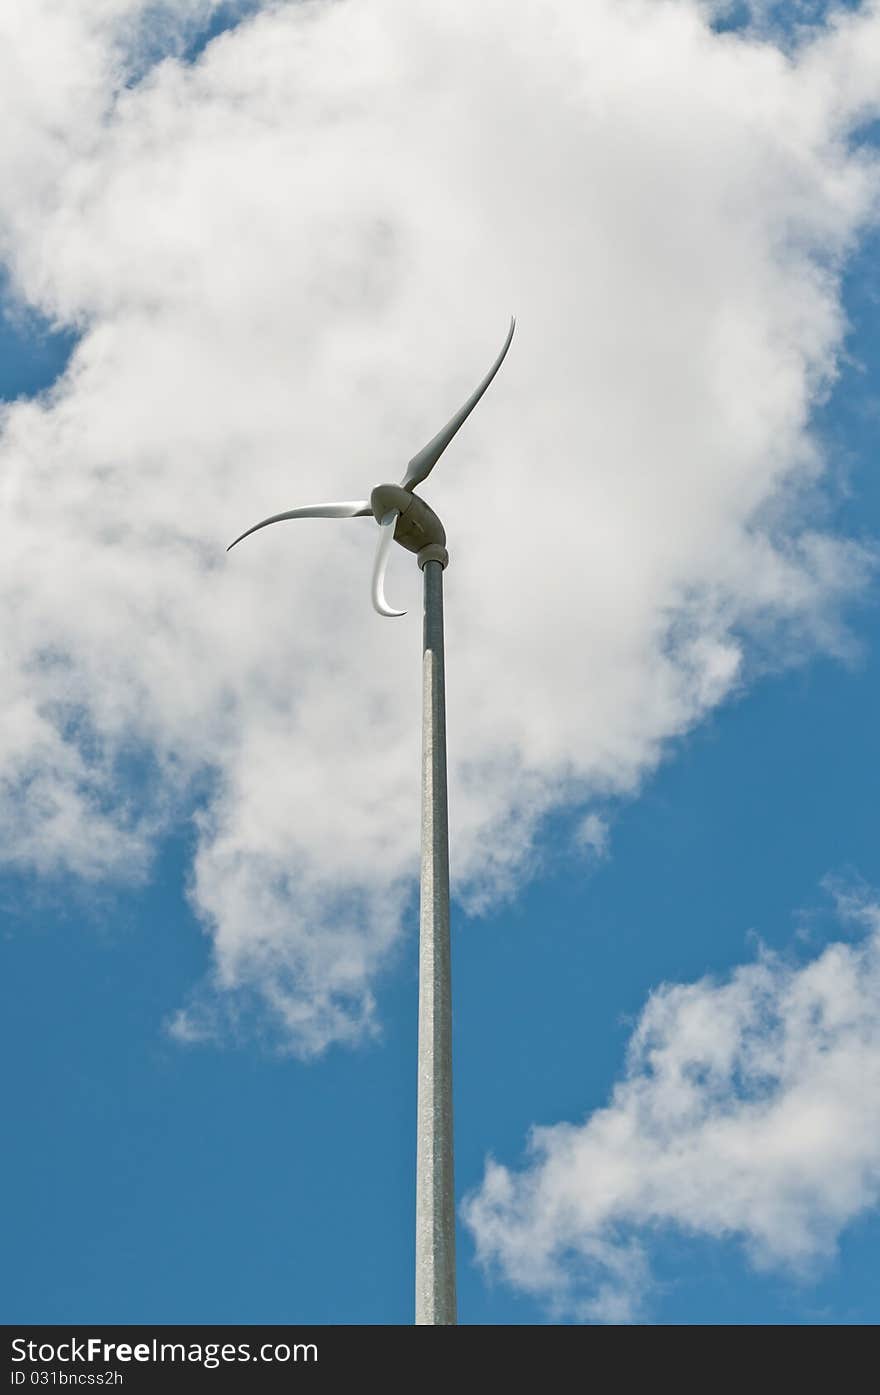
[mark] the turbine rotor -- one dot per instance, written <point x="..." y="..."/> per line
<point x="402" y="516"/>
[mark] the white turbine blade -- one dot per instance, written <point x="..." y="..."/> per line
<point x="421" y="465"/>
<point x="359" y="508"/>
<point x="386" y="538"/>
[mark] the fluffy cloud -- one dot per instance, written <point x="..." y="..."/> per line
<point x="750" y="1110"/>
<point x="288" y="261"/>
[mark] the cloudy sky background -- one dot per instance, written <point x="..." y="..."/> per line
<point x="254" y="256"/>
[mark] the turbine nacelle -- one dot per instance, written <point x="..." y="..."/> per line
<point x="417" y="524"/>
<point x="402" y="516"/>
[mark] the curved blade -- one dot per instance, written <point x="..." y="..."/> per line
<point x="422" y="464"/>
<point x="360" y="508"/>
<point x="386" y="538"/>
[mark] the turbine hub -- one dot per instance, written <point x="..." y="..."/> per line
<point x="417" y="525"/>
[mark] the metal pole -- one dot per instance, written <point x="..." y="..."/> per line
<point x="435" y="1185"/>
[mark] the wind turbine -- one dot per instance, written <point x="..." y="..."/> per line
<point x="404" y="517"/>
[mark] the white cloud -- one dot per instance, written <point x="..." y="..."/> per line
<point x="288" y="262"/>
<point x="592" y="834"/>
<point x="750" y="1110"/>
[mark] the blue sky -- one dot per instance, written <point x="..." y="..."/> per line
<point x="229" y="1174"/>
